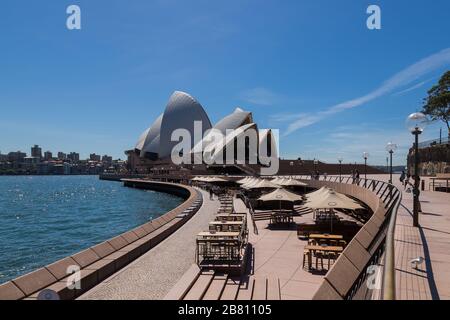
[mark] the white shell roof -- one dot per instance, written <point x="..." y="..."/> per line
<point x="181" y="112"/>
<point x="216" y="150"/>
<point x="234" y="120"/>
<point x="231" y="122"/>
<point x="151" y="142"/>
<point x="140" y="143"/>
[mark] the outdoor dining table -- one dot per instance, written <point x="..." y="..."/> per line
<point x="231" y="217"/>
<point x="326" y="236"/>
<point x="276" y="218"/>
<point x="218" y="235"/>
<point x="226" y="222"/>
<point x="313" y="248"/>
<point x="220" y="226"/>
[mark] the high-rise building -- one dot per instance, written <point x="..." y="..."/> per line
<point x="17" y="156"/>
<point x="62" y="156"/>
<point x="3" y="157"/>
<point x="36" y="151"/>
<point x="74" y="157"/>
<point x="107" y="159"/>
<point x="94" y="157"/>
<point x="48" y="155"/>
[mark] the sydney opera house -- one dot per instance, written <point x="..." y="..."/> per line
<point x="155" y="147"/>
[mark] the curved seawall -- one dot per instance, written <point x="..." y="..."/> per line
<point x="102" y="260"/>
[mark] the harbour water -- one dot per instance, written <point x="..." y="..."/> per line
<point x="46" y="218"/>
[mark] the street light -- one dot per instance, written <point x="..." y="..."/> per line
<point x="416" y="123"/>
<point x="390" y="147"/>
<point x="316" y="162"/>
<point x="340" y="159"/>
<point x="365" y="156"/>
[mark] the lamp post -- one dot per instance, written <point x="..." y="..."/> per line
<point x="390" y="147"/>
<point x="416" y="123"/>
<point x="316" y="162"/>
<point x="340" y="159"/>
<point x="291" y="164"/>
<point x="365" y="156"/>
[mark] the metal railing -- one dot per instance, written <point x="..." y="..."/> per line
<point x="251" y="211"/>
<point x="434" y="142"/>
<point x="382" y="246"/>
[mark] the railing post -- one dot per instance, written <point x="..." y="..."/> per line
<point x="389" y="290"/>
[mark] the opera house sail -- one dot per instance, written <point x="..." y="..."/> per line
<point x="156" y="144"/>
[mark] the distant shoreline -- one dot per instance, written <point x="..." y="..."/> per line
<point x="46" y="175"/>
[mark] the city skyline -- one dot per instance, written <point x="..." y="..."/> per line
<point x="57" y="155"/>
<point x="332" y="86"/>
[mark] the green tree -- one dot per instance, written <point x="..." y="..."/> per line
<point x="437" y="104"/>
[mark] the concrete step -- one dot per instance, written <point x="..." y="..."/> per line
<point x="246" y="289"/>
<point x="231" y="289"/>
<point x="184" y="284"/>
<point x="260" y="289"/>
<point x="200" y="286"/>
<point x="216" y="287"/>
<point x="273" y="288"/>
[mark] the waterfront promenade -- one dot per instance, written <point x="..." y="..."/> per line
<point x="151" y="276"/>
<point x="277" y="253"/>
<point x="431" y="240"/>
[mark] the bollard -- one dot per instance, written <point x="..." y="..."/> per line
<point x="423" y="185"/>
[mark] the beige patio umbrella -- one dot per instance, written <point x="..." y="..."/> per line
<point x="204" y="179"/>
<point x="281" y="195"/>
<point x="276" y="180"/>
<point x="250" y="183"/>
<point x="244" y="180"/>
<point x="292" y="183"/>
<point x="263" y="184"/>
<point x="331" y="200"/>
<point x="318" y="193"/>
<point x="216" y="179"/>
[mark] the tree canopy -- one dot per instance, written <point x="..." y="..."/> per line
<point x="437" y="104"/>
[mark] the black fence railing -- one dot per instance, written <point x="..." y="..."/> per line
<point x="382" y="246"/>
<point x="434" y="142"/>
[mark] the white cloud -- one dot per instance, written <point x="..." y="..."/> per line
<point x="414" y="87"/>
<point x="397" y="81"/>
<point x="260" y="96"/>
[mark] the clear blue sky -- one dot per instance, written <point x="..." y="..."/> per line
<point x="310" y="68"/>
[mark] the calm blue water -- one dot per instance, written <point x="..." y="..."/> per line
<point x="43" y="219"/>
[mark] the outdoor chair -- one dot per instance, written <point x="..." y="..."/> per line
<point x="306" y="254"/>
<point x="319" y="257"/>
<point x="332" y="257"/>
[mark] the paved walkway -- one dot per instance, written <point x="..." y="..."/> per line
<point x="156" y="272"/>
<point x="279" y="253"/>
<point x="431" y="280"/>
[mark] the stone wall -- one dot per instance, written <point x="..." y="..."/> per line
<point x="432" y="160"/>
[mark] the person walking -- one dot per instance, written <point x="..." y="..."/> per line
<point x="408" y="176"/>
<point x="211" y="194"/>
<point x="357" y="176"/>
<point x="402" y="177"/>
